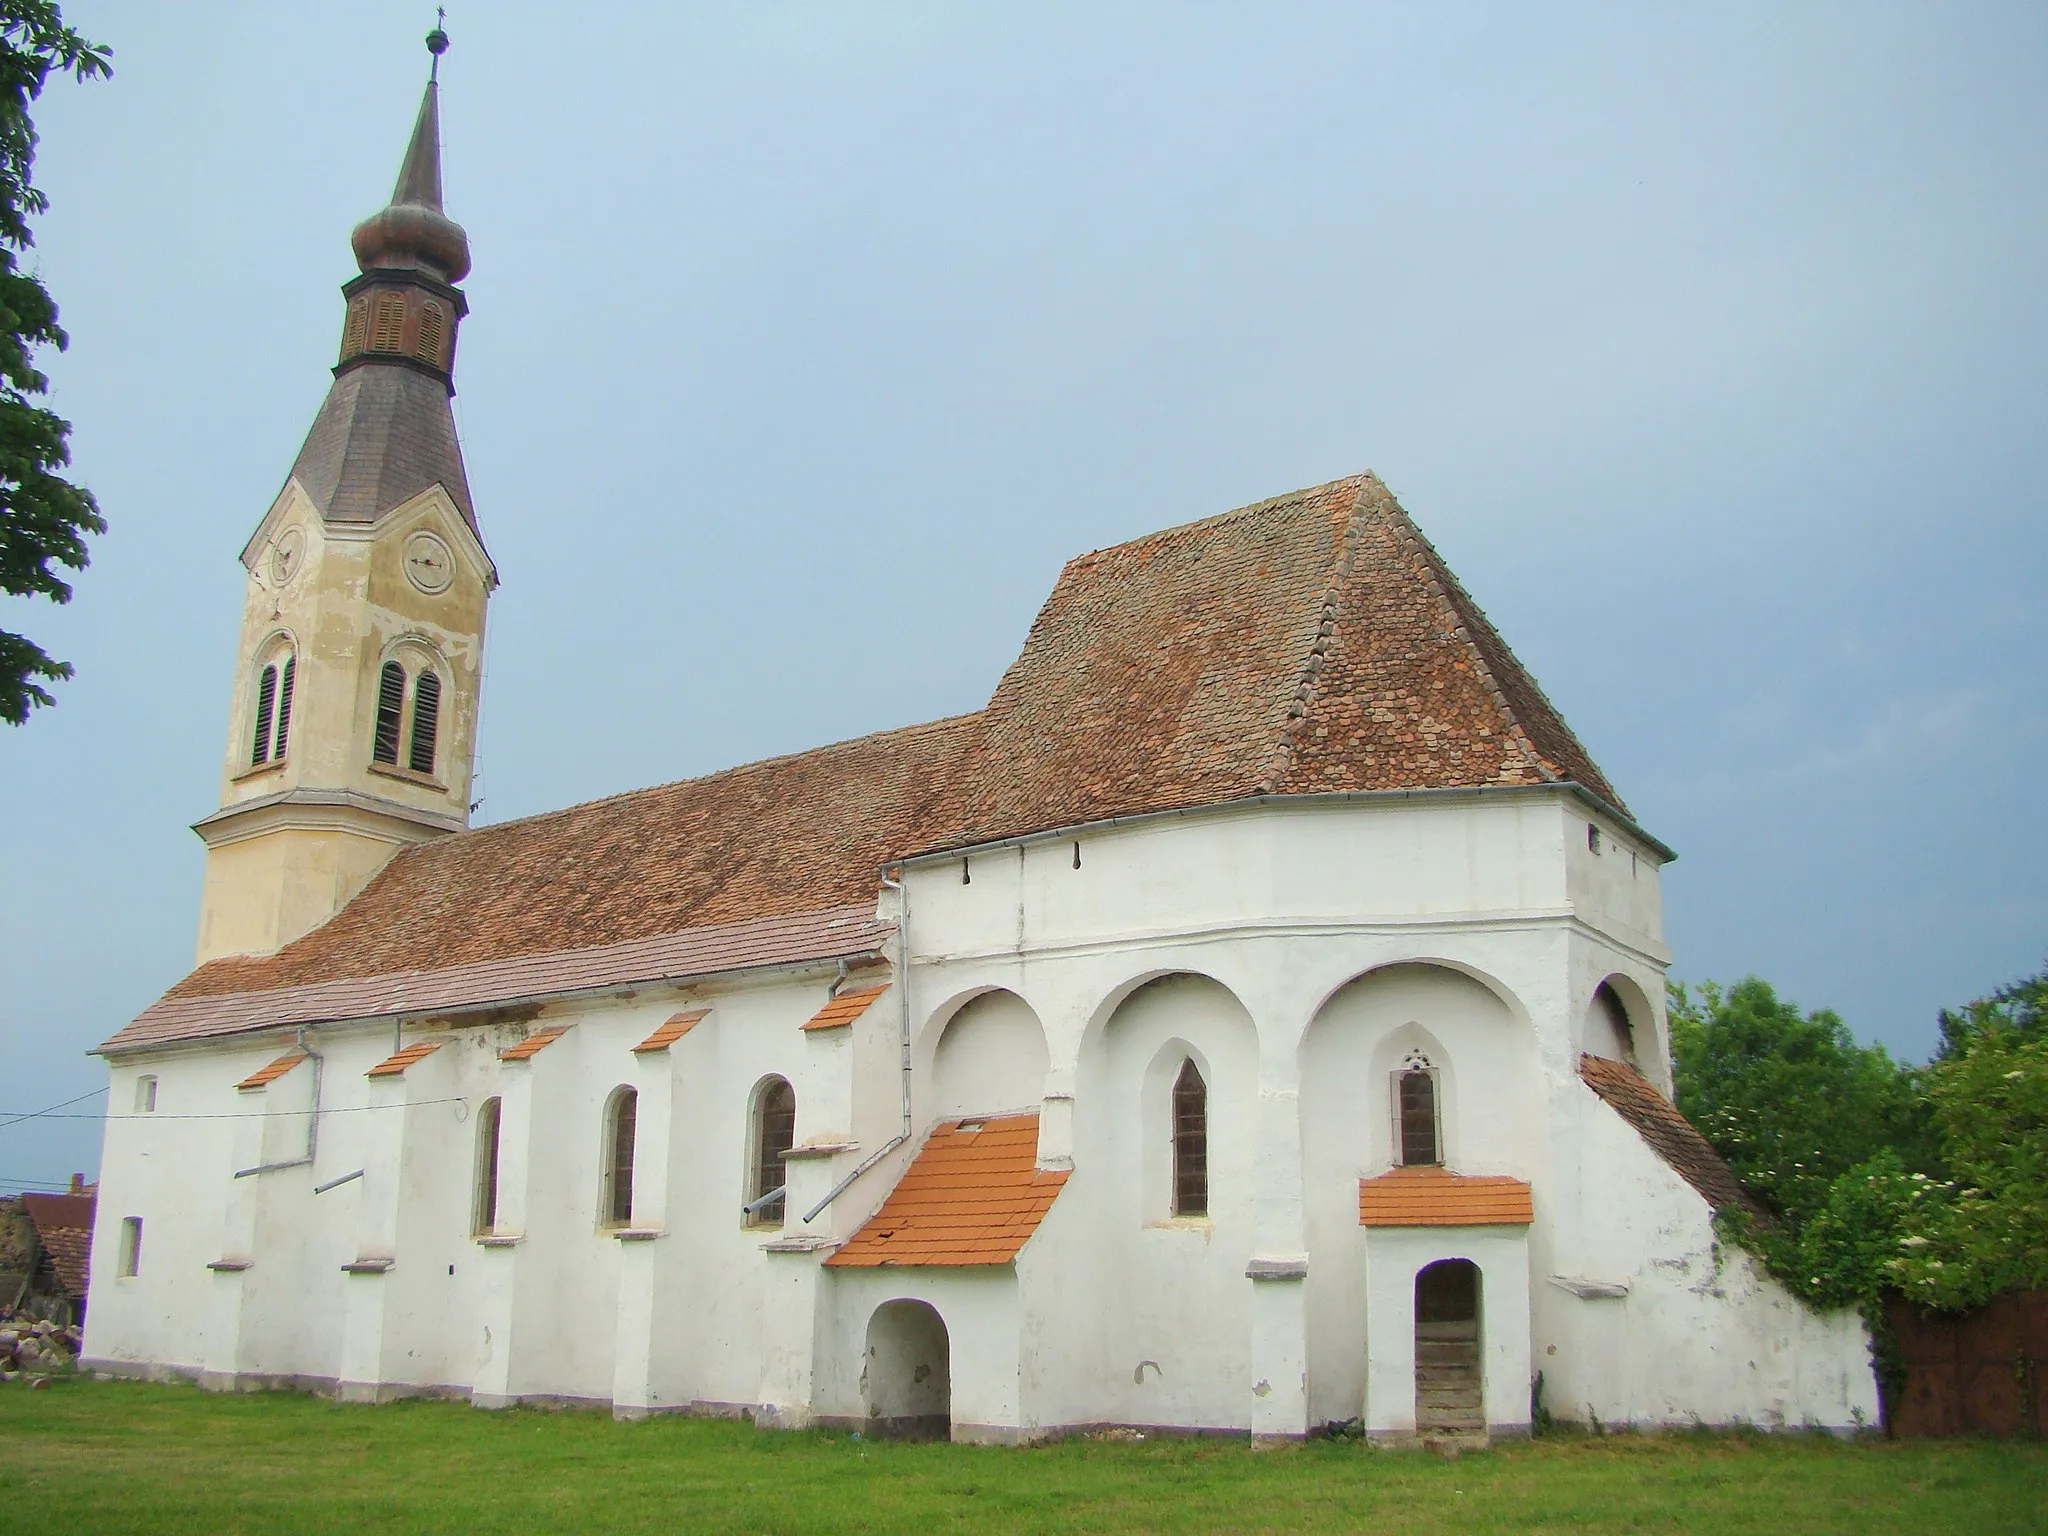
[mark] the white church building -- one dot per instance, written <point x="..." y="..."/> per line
<point x="1251" y="1020"/>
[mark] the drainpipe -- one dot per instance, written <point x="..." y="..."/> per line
<point x="902" y="1041"/>
<point x="312" y="1122"/>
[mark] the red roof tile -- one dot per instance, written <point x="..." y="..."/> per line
<point x="534" y="1043"/>
<point x="1436" y="1197"/>
<point x="63" y="1226"/>
<point x="974" y="1195"/>
<point x="395" y="1064"/>
<point x="1670" y="1135"/>
<point x="845" y="1008"/>
<point x="677" y="1026"/>
<point x="264" y="1076"/>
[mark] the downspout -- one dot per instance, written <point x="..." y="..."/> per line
<point x="902" y="1041"/>
<point x="312" y="1122"/>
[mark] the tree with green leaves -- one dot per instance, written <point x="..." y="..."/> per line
<point x="44" y="518"/>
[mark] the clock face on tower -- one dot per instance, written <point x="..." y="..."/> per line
<point x="285" y="555"/>
<point x="429" y="564"/>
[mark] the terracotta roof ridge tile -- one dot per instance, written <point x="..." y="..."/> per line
<point x="1216" y="519"/>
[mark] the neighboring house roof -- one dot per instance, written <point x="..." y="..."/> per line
<point x="1670" y="1135"/>
<point x="677" y="1026"/>
<point x="63" y="1226"/>
<point x="384" y="434"/>
<point x="1310" y="643"/>
<point x="264" y="1076"/>
<point x="845" y="1008"/>
<point x="1436" y="1197"/>
<point x="974" y="1195"/>
<point x="395" y="1064"/>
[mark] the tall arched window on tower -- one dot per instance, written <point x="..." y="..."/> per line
<point x="1415" y="1104"/>
<point x="390" y="323"/>
<point x="615" y="1199"/>
<point x="483" y="1219"/>
<point x="426" y="722"/>
<point x="273" y="710"/>
<point x="390" y="712"/>
<point x="428" y="348"/>
<point x="774" y="1133"/>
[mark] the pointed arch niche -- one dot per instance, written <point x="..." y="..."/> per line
<point x="1477" y="1055"/>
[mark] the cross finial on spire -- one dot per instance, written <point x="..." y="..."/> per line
<point x="437" y="41"/>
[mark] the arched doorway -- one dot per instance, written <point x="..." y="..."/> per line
<point x="1449" y="1387"/>
<point x="908" y="1381"/>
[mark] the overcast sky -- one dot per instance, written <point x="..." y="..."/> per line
<point x="807" y="341"/>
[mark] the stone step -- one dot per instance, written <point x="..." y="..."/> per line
<point x="1434" y="1332"/>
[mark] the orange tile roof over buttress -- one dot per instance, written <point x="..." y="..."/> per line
<point x="534" y="1043"/>
<point x="1436" y="1197"/>
<point x="264" y="1076"/>
<point x="395" y="1064"/>
<point x="677" y="1026"/>
<point x="974" y="1195"/>
<point x="845" y="1008"/>
<point x="1669" y="1134"/>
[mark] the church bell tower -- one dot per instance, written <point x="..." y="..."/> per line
<point x="352" y="727"/>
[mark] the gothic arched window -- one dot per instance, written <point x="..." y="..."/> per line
<point x="615" y="1199"/>
<point x="1415" y="1099"/>
<point x="484" y="1214"/>
<point x="774" y="1133"/>
<point x="1190" y="1142"/>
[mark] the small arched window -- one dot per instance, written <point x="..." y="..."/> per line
<point x="615" y="1200"/>
<point x="1190" y="1142"/>
<point x="1415" y="1097"/>
<point x="390" y="711"/>
<point x="428" y="348"/>
<point x="484" y="1214"/>
<point x="774" y="1134"/>
<point x="426" y="722"/>
<point x="384" y="335"/>
<point x="273" y="711"/>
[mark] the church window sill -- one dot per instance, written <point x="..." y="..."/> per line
<point x="367" y="1267"/>
<point x="636" y="1234"/>
<point x="408" y="776"/>
<point x="228" y="1266"/>
<point x="261" y="770"/>
<point x="501" y="1239"/>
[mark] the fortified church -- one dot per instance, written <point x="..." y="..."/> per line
<point x="1251" y="1019"/>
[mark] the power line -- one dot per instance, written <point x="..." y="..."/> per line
<point x="39" y="1114"/>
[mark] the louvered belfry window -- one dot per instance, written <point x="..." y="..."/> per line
<point x="1418" y="1118"/>
<point x="426" y="721"/>
<point x="619" y="1159"/>
<point x="428" y="348"/>
<point x="390" y="710"/>
<point x="390" y="326"/>
<point x="357" y="328"/>
<point x="1190" y="1142"/>
<point x="266" y="701"/>
<point x="774" y="1135"/>
<point x="284" y="707"/>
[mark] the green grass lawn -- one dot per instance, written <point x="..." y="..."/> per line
<point x="111" y="1457"/>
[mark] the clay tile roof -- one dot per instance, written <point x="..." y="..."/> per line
<point x="270" y="1074"/>
<point x="1310" y="643"/>
<point x="395" y="1064"/>
<point x="63" y="1226"/>
<point x="1436" y="1197"/>
<point x="1670" y="1135"/>
<point x="534" y="1043"/>
<point x="845" y="1008"/>
<point x="974" y="1195"/>
<point x="678" y="1026"/>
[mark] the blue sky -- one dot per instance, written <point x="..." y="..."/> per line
<point x="807" y="341"/>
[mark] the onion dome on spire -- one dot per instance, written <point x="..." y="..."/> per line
<point x="413" y="232"/>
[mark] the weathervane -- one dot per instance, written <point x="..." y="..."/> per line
<point x="437" y="41"/>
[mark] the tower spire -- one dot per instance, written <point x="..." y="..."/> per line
<point x="413" y="231"/>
